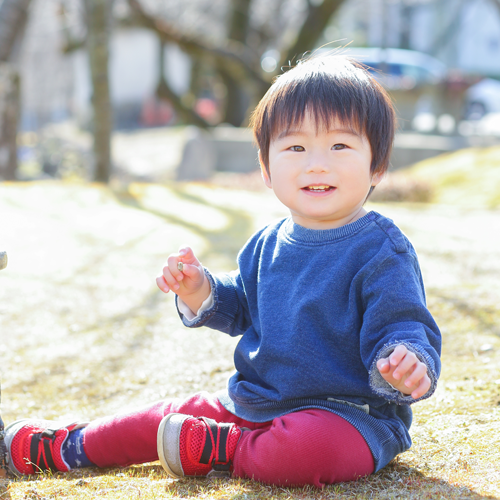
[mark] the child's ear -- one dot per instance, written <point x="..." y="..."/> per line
<point x="263" y="171"/>
<point x="377" y="178"/>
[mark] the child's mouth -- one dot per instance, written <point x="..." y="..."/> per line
<point x="318" y="189"/>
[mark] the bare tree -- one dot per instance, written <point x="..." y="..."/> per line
<point x="99" y="25"/>
<point x="316" y="20"/>
<point x="237" y="56"/>
<point x="236" y="98"/>
<point x="13" y="17"/>
<point x="9" y="119"/>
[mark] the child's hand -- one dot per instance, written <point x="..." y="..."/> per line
<point x="403" y="370"/>
<point x="183" y="282"/>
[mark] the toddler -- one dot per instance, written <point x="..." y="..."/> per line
<point x="336" y="341"/>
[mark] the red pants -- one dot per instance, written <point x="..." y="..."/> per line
<point x="306" y="447"/>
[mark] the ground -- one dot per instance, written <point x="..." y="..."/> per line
<point x="85" y="332"/>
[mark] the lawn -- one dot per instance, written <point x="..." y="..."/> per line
<point x="85" y="332"/>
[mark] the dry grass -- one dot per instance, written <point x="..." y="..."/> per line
<point x="468" y="178"/>
<point x="85" y="333"/>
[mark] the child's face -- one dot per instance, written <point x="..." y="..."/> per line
<point x="322" y="176"/>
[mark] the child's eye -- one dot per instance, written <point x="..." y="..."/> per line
<point x="339" y="146"/>
<point x="297" y="148"/>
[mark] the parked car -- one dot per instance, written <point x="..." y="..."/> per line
<point x="482" y="98"/>
<point x="399" y="68"/>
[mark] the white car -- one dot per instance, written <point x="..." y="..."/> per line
<point x="482" y="98"/>
<point x="399" y="68"/>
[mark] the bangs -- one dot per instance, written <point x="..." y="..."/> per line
<point x="325" y="116"/>
<point x="327" y="96"/>
<point x="334" y="90"/>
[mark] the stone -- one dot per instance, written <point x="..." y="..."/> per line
<point x="198" y="156"/>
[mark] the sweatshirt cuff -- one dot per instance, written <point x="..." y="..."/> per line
<point x="188" y="314"/>
<point x="206" y="310"/>
<point x="382" y="388"/>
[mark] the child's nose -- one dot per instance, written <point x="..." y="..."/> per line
<point x="318" y="164"/>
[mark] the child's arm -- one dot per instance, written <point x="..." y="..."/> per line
<point x="190" y="283"/>
<point x="405" y="372"/>
<point x="396" y="318"/>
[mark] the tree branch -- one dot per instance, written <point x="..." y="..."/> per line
<point x="317" y="19"/>
<point x="163" y="91"/>
<point x="234" y="56"/>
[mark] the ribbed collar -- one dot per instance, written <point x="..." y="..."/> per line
<point x="301" y="234"/>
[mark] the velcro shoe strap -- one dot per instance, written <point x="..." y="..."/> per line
<point x="217" y="435"/>
<point x="41" y="450"/>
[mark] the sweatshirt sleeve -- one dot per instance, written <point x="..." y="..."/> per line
<point x="229" y="312"/>
<point x="395" y="313"/>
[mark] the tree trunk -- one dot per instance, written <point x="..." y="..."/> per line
<point x="237" y="99"/>
<point x="13" y="17"/>
<point x="317" y="20"/>
<point x="99" y="26"/>
<point x="9" y="119"/>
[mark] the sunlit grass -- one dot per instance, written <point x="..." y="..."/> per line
<point x="467" y="178"/>
<point x="85" y="332"/>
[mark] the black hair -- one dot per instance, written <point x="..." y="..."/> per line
<point x="331" y="88"/>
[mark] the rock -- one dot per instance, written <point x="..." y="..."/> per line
<point x="198" y="157"/>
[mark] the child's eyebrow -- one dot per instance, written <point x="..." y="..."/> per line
<point x="349" y="131"/>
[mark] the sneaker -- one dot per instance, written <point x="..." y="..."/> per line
<point x="196" y="446"/>
<point x="35" y="446"/>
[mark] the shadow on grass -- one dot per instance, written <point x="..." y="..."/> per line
<point x="397" y="480"/>
<point x="226" y="241"/>
<point x="486" y="318"/>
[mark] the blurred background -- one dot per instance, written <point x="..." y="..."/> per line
<point x="162" y="89"/>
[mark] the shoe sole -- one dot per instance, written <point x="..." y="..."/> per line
<point x="10" y="433"/>
<point x="168" y="441"/>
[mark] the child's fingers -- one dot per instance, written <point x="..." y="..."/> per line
<point x="193" y="272"/>
<point x="424" y="386"/>
<point x="162" y="284"/>
<point x="397" y="355"/>
<point x="187" y="256"/>
<point x="417" y="375"/>
<point x="173" y="270"/>
<point x="383" y="365"/>
<point x="171" y="274"/>
<point x="405" y="365"/>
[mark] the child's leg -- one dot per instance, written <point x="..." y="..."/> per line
<point x="306" y="447"/>
<point x="131" y="438"/>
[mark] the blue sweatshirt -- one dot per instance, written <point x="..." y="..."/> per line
<point x="315" y="310"/>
